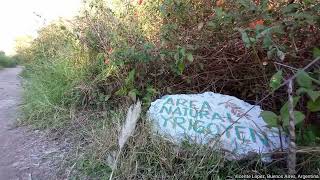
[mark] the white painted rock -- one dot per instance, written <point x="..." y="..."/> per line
<point x="207" y="119"/>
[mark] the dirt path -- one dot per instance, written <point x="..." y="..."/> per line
<point x="24" y="154"/>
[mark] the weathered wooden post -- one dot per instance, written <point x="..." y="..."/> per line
<point x="292" y="145"/>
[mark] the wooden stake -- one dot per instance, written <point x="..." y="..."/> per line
<point x="292" y="145"/>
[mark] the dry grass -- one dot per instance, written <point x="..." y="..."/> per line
<point x="147" y="155"/>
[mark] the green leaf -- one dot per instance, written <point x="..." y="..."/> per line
<point x="308" y="2"/>
<point x="248" y="4"/>
<point x="107" y="97"/>
<point x="212" y="24"/>
<point x="219" y="12"/>
<point x="267" y="41"/>
<point x="122" y="91"/>
<point x="264" y="4"/>
<point x="264" y="32"/>
<point x="316" y="52"/>
<point x="304" y="80"/>
<point x="270" y="117"/>
<point x="252" y="39"/>
<point x="182" y="51"/>
<point x="190" y="57"/>
<point x="131" y="76"/>
<point x="314" y="106"/>
<point x="176" y="57"/>
<point x="101" y="98"/>
<point x="302" y="90"/>
<point x="298" y="116"/>
<point x="271" y="53"/>
<point x="151" y="90"/>
<point x="245" y="38"/>
<point x="276" y="80"/>
<point x="291" y="8"/>
<point x="285" y="110"/>
<point x="312" y="94"/>
<point x="133" y="94"/>
<point x="181" y="67"/>
<point x="309" y="137"/>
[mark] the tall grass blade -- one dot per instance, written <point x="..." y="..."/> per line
<point x="133" y="115"/>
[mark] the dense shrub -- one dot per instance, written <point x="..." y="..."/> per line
<point x="6" y="61"/>
<point x="195" y="46"/>
<point x="110" y="55"/>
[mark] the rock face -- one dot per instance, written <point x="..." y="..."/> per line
<point x="211" y="118"/>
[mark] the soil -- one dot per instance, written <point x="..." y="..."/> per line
<point x="25" y="153"/>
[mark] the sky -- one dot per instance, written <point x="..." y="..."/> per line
<point x="19" y="18"/>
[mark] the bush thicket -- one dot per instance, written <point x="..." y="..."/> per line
<point x="81" y="74"/>
<point x="7" y="61"/>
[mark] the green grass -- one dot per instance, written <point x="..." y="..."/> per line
<point x="47" y="87"/>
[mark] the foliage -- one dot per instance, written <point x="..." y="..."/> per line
<point x="6" y="61"/>
<point x="115" y="53"/>
<point x="307" y="86"/>
<point x="50" y="77"/>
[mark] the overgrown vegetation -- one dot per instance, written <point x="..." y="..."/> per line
<point x="82" y="74"/>
<point x="6" y="61"/>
